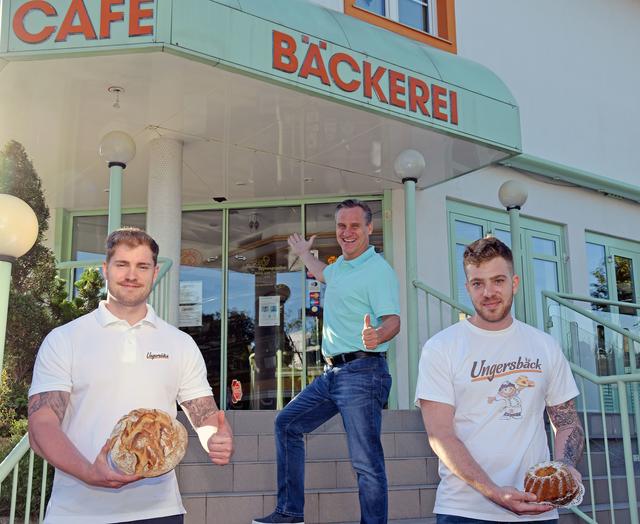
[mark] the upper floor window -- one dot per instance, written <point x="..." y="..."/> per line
<point x="429" y="21"/>
<point x="419" y="14"/>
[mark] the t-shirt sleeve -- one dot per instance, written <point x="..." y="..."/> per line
<point x="194" y="383"/>
<point x="562" y="386"/>
<point x="52" y="370"/>
<point x="435" y="380"/>
<point x="384" y="293"/>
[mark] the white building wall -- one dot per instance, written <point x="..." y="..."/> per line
<point x="572" y="67"/>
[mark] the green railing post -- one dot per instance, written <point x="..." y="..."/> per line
<point x="628" y="453"/>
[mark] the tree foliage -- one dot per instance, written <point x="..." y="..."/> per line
<point x="38" y="298"/>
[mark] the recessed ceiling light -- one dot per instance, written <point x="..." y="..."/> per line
<point x="308" y="179"/>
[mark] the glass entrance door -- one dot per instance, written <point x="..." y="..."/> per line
<point x="264" y="360"/>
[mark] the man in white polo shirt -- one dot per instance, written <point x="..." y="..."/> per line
<point x="94" y="370"/>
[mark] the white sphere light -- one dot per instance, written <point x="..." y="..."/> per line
<point x="409" y="164"/>
<point x="18" y="226"/>
<point x="512" y="194"/>
<point x="117" y="146"/>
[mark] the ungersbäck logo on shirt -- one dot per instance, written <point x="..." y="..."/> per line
<point x="154" y="356"/>
<point x="487" y="371"/>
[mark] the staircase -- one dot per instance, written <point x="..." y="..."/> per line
<point x="245" y="489"/>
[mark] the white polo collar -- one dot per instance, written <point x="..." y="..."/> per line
<point x="106" y="318"/>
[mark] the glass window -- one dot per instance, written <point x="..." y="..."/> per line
<point x="467" y="231"/>
<point x="597" y="270"/>
<point x="503" y="235"/>
<point x="545" y="274"/>
<point x="264" y="343"/>
<point x="414" y="13"/>
<point x="543" y="246"/>
<point x="200" y="309"/>
<point x="320" y="221"/>
<point x="375" y="6"/>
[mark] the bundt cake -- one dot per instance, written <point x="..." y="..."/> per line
<point x="551" y="482"/>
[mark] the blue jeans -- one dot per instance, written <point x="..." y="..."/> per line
<point x="454" y="519"/>
<point x="357" y="390"/>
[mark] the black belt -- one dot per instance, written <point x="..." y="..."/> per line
<point x="343" y="358"/>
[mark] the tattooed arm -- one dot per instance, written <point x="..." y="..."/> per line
<point x="213" y="430"/>
<point x="569" y="435"/>
<point x="46" y="411"/>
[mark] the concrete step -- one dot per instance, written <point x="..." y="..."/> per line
<point x="326" y="506"/>
<point x="254" y="422"/>
<point x="319" y="446"/>
<point x="319" y="474"/>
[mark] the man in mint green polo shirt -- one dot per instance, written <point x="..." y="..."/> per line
<point x="361" y="315"/>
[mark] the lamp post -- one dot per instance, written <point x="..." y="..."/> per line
<point x="18" y="233"/>
<point x="117" y="148"/>
<point x="513" y="195"/>
<point x="409" y="166"/>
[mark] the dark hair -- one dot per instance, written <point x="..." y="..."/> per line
<point x="132" y="237"/>
<point x="506" y="385"/>
<point x="485" y="249"/>
<point x="351" y="203"/>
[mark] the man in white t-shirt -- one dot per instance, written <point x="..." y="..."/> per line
<point x="92" y="371"/>
<point x="483" y="386"/>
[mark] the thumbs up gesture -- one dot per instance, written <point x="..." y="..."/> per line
<point x="220" y="444"/>
<point x="369" y="334"/>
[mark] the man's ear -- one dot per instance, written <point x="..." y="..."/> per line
<point x="516" y="283"/>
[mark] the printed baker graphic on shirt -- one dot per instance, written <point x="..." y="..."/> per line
<point x="509" y="392"/>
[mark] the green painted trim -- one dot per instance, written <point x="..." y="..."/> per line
<point x="245" y="204"/>
<point x="224" y="309"/>
<point x="387" y="242"/>
<point x="573" y="175"/>
<point x="60" y="238"/>
<point x="5" y="14"/>
<point x="164" y="19"/>
<point x="303" y="278"/>
<point x="491" y="219"/>
<point x="614" y="242"/>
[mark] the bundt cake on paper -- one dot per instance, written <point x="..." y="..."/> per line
<point x="551" y="482"/>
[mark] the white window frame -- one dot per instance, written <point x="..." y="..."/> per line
<point x="392" y="11"/>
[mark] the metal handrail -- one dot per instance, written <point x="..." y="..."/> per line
<point x="620" y="381"/>
<point x="560" y="299"/>
<point x="443" y="298"/>
<point x="11" y="464"/>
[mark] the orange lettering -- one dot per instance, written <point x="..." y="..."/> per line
<point x="313" y="64"/>
<point x="418" y="100"/>
<point x="21" y="13"/>
<point x="453" y="105"/>
<point x="107" y="16"/>
<point x="84" y="26"/>
<point x="135" y="15"/>
<point x="333" y="69"/>
<point x="396" y="88"/>
<point x="439" y="102"/>
<point x="284" y="47"/>
<point x="372" y="82"/>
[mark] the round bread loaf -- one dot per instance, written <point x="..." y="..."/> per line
<point x="551" y="482"/>
<point x="148" y="442"/>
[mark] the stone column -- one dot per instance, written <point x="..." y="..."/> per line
<point x="164" y="212"/>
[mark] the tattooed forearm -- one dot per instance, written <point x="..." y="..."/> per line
<point x="57" y="401"/>
<point x="199" y="409"/>
<point x="569" y="433"/>
<point x="573" y="446"/>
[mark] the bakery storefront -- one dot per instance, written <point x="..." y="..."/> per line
<point x="251" y="119"/>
